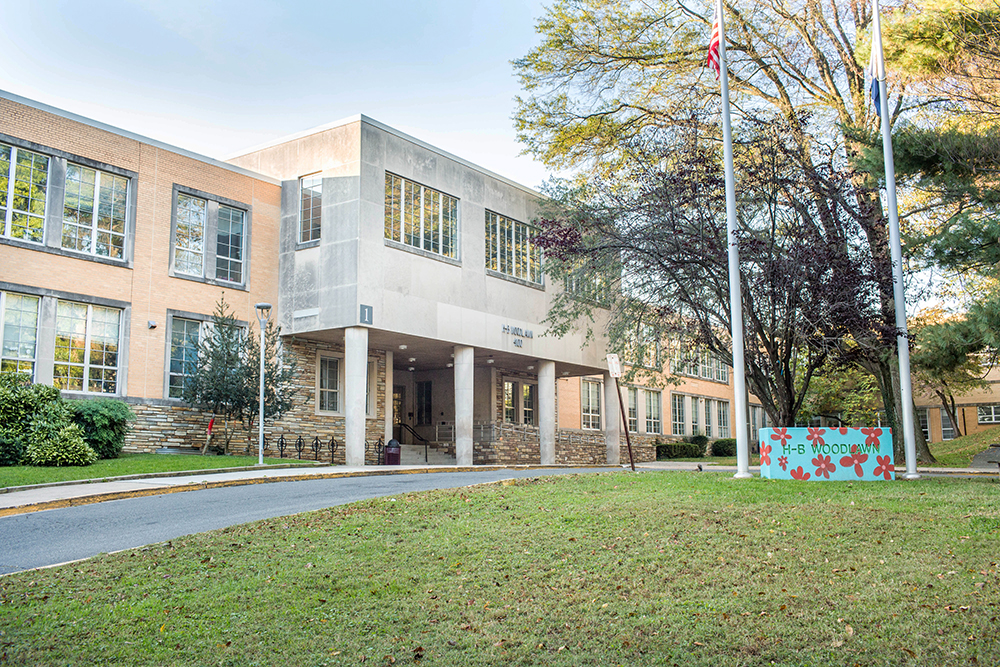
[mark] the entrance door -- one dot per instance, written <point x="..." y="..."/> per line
<point x="398" y="410"/>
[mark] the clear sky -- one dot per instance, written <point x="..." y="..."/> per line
<point x="219" y="76"/>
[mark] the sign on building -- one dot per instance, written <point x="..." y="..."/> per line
<point x="826" y="453"/>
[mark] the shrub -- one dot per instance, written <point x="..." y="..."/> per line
<point x="724" y="447"/>
<point x="104" y="423"/>
<point x="679" y="450"/>
<point x="29" y="413"/>
<point x="700" y="439"/>
<point x="67" y="448"/>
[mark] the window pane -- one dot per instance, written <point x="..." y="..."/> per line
<point x="190" y="237"/>
<point x="329" y="384"/>
<point x="653" y="423"/>
<point x="229" y="245"/>
<point x="184" y="338"/>
<point x="393" y="206"/>
<point x="509" y="405"/>
<point x="591" y="395"/>
<point x="28" y="197"/>
<point x="20" y="332"/>
<point x="86" y="352"/>
<point x="528" y="404"/>
<point x="310" y="208"/>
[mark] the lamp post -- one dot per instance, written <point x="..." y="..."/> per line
<point x="263" y="312"/>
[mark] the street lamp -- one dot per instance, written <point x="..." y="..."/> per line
<point x="263" y="312"/>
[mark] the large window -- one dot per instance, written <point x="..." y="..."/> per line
<point x="723" y="418"/>
<point x="86" y="352"/>
<point x="510" y="401"/>
<point x="24" y="178"/>
<point x="425" y="415"/>
<point x="700" y="365"/>
<point x="310" y="207"/>
<point x="590" y="400"/>
<point x="511" y="249"/>
<point x="420" y="217"/>
<point x="708" y="418"/>
<point x="678" y="424"/>
<point x="989" y="414"/>
<point x="18" y="332"/>
<point x="947" y="428"/>
<point x="95" y="212"/>
<point x="209" y="239"/>
<point x="528" y="403"/>
<point x="185" y="336"/>
<point x="653" y="412"/>
<point x="924" y="423"/>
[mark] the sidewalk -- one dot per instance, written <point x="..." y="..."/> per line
<point x="22" y="500"/>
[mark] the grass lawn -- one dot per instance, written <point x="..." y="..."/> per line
<point x="959" y="452"/>
<point x="126" y="464"/>
<point x="659" y="568"/>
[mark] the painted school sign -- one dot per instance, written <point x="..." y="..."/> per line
<point x="826" y="453"/>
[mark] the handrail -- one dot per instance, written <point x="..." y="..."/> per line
<point x="426" y="442"/>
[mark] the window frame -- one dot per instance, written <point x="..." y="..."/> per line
<point x="432" y="213"/>
<point x="722" y="410"/>
<point x="87" y="366"/>
<point x="994" y="414"/>
<point x="210" y="234"/>
<point x="503" y="258"/>
<point x="633" y="409"/>
<point x="94" y="228"/>
<point x="589" y="417"/>
<point x="315" y="221"/>
<point x="4" y="309"/>
<point x="678" y="418"/>
<point x="654" y="411"/>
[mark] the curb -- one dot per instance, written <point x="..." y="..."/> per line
<point x="199" y="486"/>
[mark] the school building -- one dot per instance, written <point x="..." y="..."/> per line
<point x="405" y="280"/>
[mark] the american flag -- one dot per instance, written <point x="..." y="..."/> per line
<point x="713" y="44"/>
<point x="872" y="76"/>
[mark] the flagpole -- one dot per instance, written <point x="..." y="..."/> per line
<point x="735" y="293"/>
<point x="896" y="249"/>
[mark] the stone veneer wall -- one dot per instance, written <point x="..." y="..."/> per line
<point x="174" y="424"/>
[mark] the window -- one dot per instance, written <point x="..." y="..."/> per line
<point x="510" y="401"/>
<point x="989" y="414"/>
<point x="758" y="420"/>
<point x="369" y="383"/>
<point x="95" y="211"/>
<point x="723" y="418"/>
<point x="633" y="409"/>
<point x="18" y="332"/>
<point x="511" y="249"/>
<point x="590" y="400"/>
<point x="310" y="207"/>
<point x="653" y="413"/>
<point x="24" y="180"/>
<point x="947" y="429"/>
<point x="329" y="384"/>
<point x="708" y="418"/>
<point x="185" y="336"/>
<point x="86" y="352"/>
<point x="528" y="403"/>
<point x="420" y="217"/>
<point x="678" y="424"/>
<point x="700" y="364"/>
<point x="424" y="415"/>
<point x="924" y="424"/>
<point x="694" y="416"/>
<point x="209" y="239"/>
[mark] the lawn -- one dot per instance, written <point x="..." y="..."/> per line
<point x="659" y="568"/>
<point x="126" y="464"/>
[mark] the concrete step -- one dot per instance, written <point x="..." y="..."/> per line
<point x="414" y="455"/>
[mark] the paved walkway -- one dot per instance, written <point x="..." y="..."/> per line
<point x="24" y="499"/>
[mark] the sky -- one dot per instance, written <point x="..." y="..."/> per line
<point x="221" y="76"/>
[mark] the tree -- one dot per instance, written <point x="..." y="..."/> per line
<point x="226" y="380"/>
<point x="609" y="75"/>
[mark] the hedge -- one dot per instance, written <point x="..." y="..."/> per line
<point x="724" y="447"/>
<point x="104" y="423"/>
<point x="679" y="450"/>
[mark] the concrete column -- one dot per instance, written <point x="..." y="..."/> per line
<point x="355" y="381"/>
<point x="464" y="383"/>
<point x="389" y="417"/>
<point x="612" y="420"/>
<point x="547" y="412"/>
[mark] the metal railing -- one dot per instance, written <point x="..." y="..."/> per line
<point x="299" y="445"/>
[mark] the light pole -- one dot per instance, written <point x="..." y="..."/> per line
<point x="263" y="312"/>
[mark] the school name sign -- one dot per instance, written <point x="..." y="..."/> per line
<point x="826" y="453"/>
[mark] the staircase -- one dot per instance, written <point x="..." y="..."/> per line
<point x="413" y="455"/>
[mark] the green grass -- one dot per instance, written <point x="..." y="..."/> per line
<point x="126" y="464"/>
<point x="959" y="452"/>
<point x="660" y="568"/>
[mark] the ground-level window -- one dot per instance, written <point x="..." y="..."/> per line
<point x="424" y="415"/>
<point x="18" y="332"/>
<point x="510" y="401"/>
<point x="653" y="412"/>
<point x="528" y="403"/>
<point x="695" y="428"/>
<point x="677" y="420"/>
<point x="708" y="418"/>
<point x="86" y="352"/>
<point x="758" y="420"/>
<point x="590" y="399"/>
<point x="924" y="423"/>
<point x="185" y="336"/>
<point x="329" y="384"/>
<point x="633" y="409"/>
<point x="723" y="418"/>
<point x="947" y="428"/>
<point x="988" y="414"/>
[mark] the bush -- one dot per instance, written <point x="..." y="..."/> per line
<point x="724" y="447"/>
<point x="104" y="423"/>
<point x="700" y="440"/>
<point x="67" y="448"/>
<point x="679" y="450"/>
<point x="29" y="413"/>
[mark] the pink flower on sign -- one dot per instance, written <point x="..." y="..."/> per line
<point x="798" y="473"/>
<point x="824" y="466"/>
<point x="855" y="460"/>
<point x="843" y="430"/>
<point x="782" y="435"/>
<point x="873" y="435"/>
<point x="816" y="435"/>
<point x="885" y="467"/>
<point x="765" y="454"/>
<point x="783" y="462"/>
